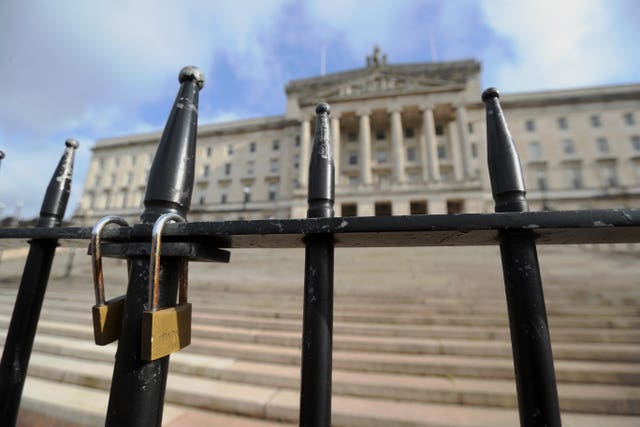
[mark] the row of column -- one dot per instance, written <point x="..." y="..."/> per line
<point x="457" y="131"/>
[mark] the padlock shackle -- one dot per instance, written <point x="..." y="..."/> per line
<point x="96" y="254"/>
<point x="154" y="262"/>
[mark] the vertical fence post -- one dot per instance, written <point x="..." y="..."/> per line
<point x="317" y="323"/>
<point x="33" y="285"/>
<point x="138" y="386"/>
<point x="530" y="341"/>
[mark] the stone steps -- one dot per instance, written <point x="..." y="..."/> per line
<point x="281" y="404"/>
<point x="402" y="345"/>
<point x="486" y="392"/>
<point x="610" y="334"/>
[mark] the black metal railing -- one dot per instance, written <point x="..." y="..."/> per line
<point x="138" y="385"/>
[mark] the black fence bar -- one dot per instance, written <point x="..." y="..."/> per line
<point x="138" y="386"/>
<point x="474" y="229"/>
<point x="317" y="318"/>
<point x="530" y="340"/>
<point x="33" y="285"/>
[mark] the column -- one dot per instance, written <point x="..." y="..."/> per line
<point x="397" y="143"/>
<point x="456" y="155"/>
<point x="335" y="139"/>
<point x="305" y="147"/>
<point x="429" y="147"/>
<point x="365" y="148"/>
<point x="461" y="120"/>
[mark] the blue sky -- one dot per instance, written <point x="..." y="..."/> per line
<point x="96" y="69"/>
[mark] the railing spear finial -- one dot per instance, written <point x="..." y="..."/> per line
<point x="56" y="198"/>
<point x="507" y="181"/>
<point x="170" y="184"/>
<point x="321" y="190"/>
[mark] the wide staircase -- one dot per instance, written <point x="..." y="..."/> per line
<point x="421" y="338"/>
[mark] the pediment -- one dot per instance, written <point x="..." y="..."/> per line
<point x="381" y="83"/>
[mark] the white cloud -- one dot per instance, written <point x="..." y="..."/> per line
<point x="561" y="44"/>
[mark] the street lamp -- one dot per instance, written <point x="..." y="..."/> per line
<point x="19" y="206"/>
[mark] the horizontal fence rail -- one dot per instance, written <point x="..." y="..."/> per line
<point x="482" y="229"/>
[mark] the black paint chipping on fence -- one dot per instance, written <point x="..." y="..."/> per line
<point x="317" y="323"/>
<point x="26" y="311"/>
<point x="138" y="386"/>
<point x="530" y="340"/>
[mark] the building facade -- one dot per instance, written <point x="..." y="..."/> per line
<point x="407" y="138"/>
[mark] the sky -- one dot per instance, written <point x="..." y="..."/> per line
<point x="97" y="69"/>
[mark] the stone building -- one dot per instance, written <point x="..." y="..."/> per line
<point x="408" y="139"/>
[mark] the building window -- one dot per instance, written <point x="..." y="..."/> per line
<point x="562" y="123"/>
<point x="409" y="133"/>
<point x="130" y="178"/>
<point x="227" y="169"/>
<point x="297" y="141"/>
<point x="446" y="175"/>
<point x="530" y="125"/>
<point x="635" y="143"/>
<point x="474" y="150"/>
<point x="574" y="176"/>
<point x="535" y="150"/>
<point x="603" y="145"/>
<point x="229" y="150"/>
<point x="455" y="206"/>
<point x="380" y="135"/>
<point x="439" y="130"/>
<point x="133" y="160"/>
<point x="636" y="171"/>
<point x="609" y="175"/>
<point x="223" y="198"/>
<point x="382" y="208"/>
<point x="116" y="161"/>
<point x="273" y="192"/>
<point x="252" y="147"/>
<point x="629" y="119"/>
<point x="250" y="165"/>
<point x="114" y="178"/>
<point x="568" y="146"/>
<point x="353" y="180"/>
<point x="273" y="166"/>
<point x="382" y="156"/>
<point x="353" y="158"/>
<point x="349" y="209"/>
<point x="352" y="137"/>
<point x="413" y="177"/>
<point x="202" y="200"/>
<point x="205" y="170"/>
<point x="595" y="121"/>
<point x="124" y="199"/>
<point x="275" y="145"/>
<point x="296" y="161"/>
<point x="442" y="151"/>
<point x="411" y="154"/>
<point x="470" y="127"/>
<point x="418" y="207"/>
<point x="98" y="180"/>
<point x="101" y="162"/>
<point x="541" y="179"/>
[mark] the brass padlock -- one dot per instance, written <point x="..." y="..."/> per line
<point x="165" y="330"/>
<point x="107" y="315"/>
